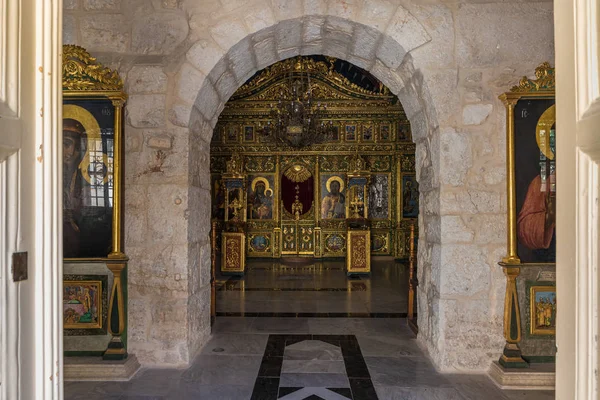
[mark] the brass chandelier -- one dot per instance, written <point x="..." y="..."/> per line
<point x="297" y="119"/>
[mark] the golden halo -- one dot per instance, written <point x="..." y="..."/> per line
<point x="545" y="123"/>
<point x="337" y="179"/>
<point x="92" y="133"/>
<point x="269" y="190"/>
<point x="260" y="179"/>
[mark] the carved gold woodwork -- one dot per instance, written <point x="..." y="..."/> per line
<point x="234" y="253"/>
<point x="358" y="259"/>
<point x="370" y="123"/>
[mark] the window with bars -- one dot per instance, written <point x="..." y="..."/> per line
<point x="101" y="170"/>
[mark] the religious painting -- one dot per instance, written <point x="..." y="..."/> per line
<point x="351" y="133"/>
<point x="259" y="243"/>
<point x="404" y="131"/>
<point x="535" y="179"/>
<point x="335" y="243"/>
<point x="248" y="133"/>
<point x="82" y="304"/>
<point x="543" y="310"/>
<point x="410" y="196"/>
<point x="232" y="134"/>
<point x="385" y="131"/>
<point x="379" y="205"/>
<point x="333" y="200"/>
<point x="380" y="243"/>
<point x="88" y="181"/>
<point x="218" y="197"/>
<point x="260" y="198"/>
<point x="368" y="133"/>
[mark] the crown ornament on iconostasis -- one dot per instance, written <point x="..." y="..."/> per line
<point x="81" y="71"/>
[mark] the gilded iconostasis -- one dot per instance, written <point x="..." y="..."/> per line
<point x="296" y="198"/>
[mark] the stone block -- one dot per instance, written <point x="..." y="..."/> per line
<point x="159" y="33"/>
<point x="454" y="229"/>
<point x="159" y="270"/>
<point x="228" y="32"/>
<point x="204" y="54"/>
<point x="464" y="270"/>
<point x="438" y="21"/>
<point x="146" y="110"/>
<point x="266" y="53"/>
<point x="347" y="9"/>
<point x="365" y="42"/>
<point x="167" y="207"/>
<point x="442" y="86"/>
<point x="314" y="7"/>
<point x="390" y="53"/>
<point x="286" y="10"/>
<point x="105" y="32"/>
<point x="476" y="114"/>
<point x="208" y="101"/>
<point x="389" y="78"/>
<point x="489" y="228"/>
<point x="179" y="114"/>
<point x="241" y="61"/>
<point x="133" y="141"/>
<point x="455" y="156"/>
<point x="136" y="214"/>
<point x="160" y="141"/>
<point x="259" y="18"/>
<point x="69" y="29"/>
<point x="146" y="79"/>
<point x="288" y="35"/>
<point x="377" y="13"/>
<point x="189" y="82"/>
<point x="94" y="5"/>
<point x="489" y="34"/>
<point x="406" y="30"/>
<point x="169" y="320"/>
<point x="312" y="29"/>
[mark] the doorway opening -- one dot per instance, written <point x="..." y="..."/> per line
<point x="282" y="213"/>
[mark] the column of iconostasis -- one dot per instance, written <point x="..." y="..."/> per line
<point x="296" y="198"/>
<point x="93" y="101"/>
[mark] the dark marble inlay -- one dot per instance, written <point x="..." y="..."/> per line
<point x="356" y="371"/>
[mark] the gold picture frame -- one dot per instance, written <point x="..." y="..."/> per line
<point x="93" y="101"/>
<point x="542" y="303"/>
<point x="82" y="304"/>
<point x="527" y="109"/>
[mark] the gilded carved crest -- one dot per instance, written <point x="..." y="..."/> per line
<point x="544" y="81"/>
<point x="81" y="71"/>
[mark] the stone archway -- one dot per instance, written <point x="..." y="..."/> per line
<point x="379" y="53"/>
<point x="447" y="63"/>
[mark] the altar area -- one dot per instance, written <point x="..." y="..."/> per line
<point x="283" y="188"/>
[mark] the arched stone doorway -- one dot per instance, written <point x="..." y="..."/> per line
<point x="377" y="52"/>
<point x="447" y="83"/>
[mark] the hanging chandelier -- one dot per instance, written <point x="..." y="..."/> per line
<point x="297" y="119"/>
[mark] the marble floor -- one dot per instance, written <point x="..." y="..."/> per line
<point x="262" y="358"/>
<point x="318" y="289"/>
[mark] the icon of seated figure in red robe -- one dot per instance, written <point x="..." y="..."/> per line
<point x="536" y="220"/>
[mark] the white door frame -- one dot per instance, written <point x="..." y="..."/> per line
<point x="578" y="155"/>
<point x="31" y="356"/>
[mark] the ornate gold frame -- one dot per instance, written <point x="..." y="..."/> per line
<point x="540" y="88"/>
<point x="85" y="78"/>
<point x="97" y="325"/>
<point x="533" y="330"/>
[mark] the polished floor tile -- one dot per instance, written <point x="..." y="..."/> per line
<point x="322" y="287"/>
<point x="226" y="369"/>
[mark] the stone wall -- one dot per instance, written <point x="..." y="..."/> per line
<point x="447" y="62"/>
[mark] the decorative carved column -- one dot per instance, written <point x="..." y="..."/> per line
<point x="511" y="356"/>
<point x="116" y="313"/>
